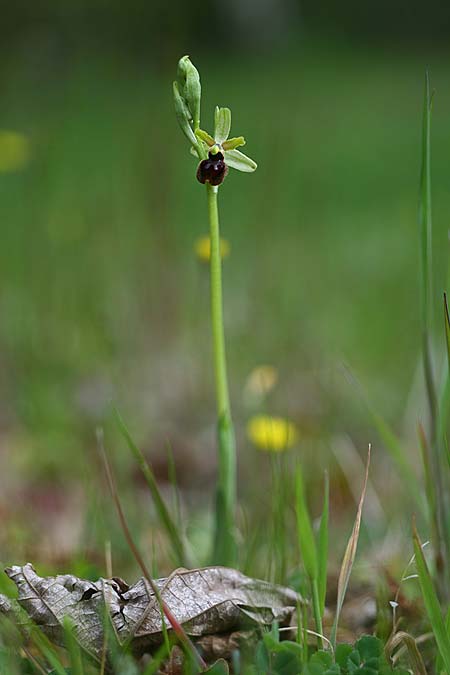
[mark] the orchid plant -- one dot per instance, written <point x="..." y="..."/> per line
<point x="216" y="154"/>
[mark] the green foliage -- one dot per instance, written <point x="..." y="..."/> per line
<point x="73" y="649"/>
<point x="321" y="663"/>
<point x="349" y="556"/>
<point x="166" y="520"/>
<point x="305" y="534"/>
<point x="437" y="468"/>
<point x="432" y="604"/>
<point x="284" y="657"/>
<point x="13" y="664"/>
<point x="314" y="553"/>
<point x="220" y="667"/>
<point x="322" y="546"/>
<point x="365" y="657"/>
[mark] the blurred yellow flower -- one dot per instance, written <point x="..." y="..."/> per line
<point x="261" y="380"/>
<point x="14" y="151"/>
<point x="202" y="248"/>
<point x="273" y="434"/>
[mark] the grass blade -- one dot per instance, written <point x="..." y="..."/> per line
<point x="322" y="546"/>
<point x="46" y="648"/>
<point x="447" y="328"/>
<point x="165" y="611"/>
<point x="437" y="415"/>
<point x="163" y="513"/>
<point x="431" y="601"/>
<point x="308" y="550"/>
<point x="73" y="648"/>
<point x="172" y="472"/>
<point x="444" y="403"/>
<point x="349" y="556"/>
<point x="425" y="222"/>
<point x="154" y="665"/>
<point x="429" y="485"/>
<point x="402" y="638"/>
<point x="390" y="442"/>
<point x="305" y="534"/>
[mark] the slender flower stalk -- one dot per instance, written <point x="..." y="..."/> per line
<point x="220" y="368"/>
<point x="224" y="544"/>
<point x="216" y="154"/>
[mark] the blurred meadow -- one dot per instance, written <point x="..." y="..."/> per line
<point x="104" y="299"/>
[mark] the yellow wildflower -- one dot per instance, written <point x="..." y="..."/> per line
<point x="14" y="151"/>
<point x="273" y="434"/>
<point x="202" y="248"/>
<point x="261" y="380"/>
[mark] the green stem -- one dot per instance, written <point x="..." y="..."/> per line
<point x="316" y="610"/>
<point x="225" y="544"/>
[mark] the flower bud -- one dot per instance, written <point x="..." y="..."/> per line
<point x="190" y="88"/>
<point x="183" y="115"/>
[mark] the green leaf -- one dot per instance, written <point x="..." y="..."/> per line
<point x="342" y="653"/>
<point x="322" y="547"/>
<point x="271" y="642"/>
<point x="353" y="661"/>
<point x="369" y="647"/>
<point x="288" y="659"/>
<point x="321" y="663"/>
<point x="305" y="534"/>
<point x="237" y="160"/>
<point x="222" y="124"/>
<point x="322" y="657"/>
<point x="431" y="602"/>
<point x="261" y="658"/>
<point x="220" y="667"/>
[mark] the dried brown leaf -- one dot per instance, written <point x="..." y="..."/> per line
<point x="204" y="601"/>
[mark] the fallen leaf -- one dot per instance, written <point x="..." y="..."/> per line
<point x="205" y="602"/>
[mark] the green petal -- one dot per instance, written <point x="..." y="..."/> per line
<point x="237" y="160"/>
<point x="233" y="143"/>
<point x="204" y="136"/>
<point x="222" y="124"/>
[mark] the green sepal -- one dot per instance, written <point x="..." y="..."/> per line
<point x="205" y="137"/>
<point x="222" y="124"/>
<point x="199" y="150"/>
<point x="190" y="88"/>
<point x="183" y="115"/>
<point x="233" y="143"/>
<point x="237" y="160"/>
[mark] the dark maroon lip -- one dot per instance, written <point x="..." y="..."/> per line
<point x="212" y="170"/>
